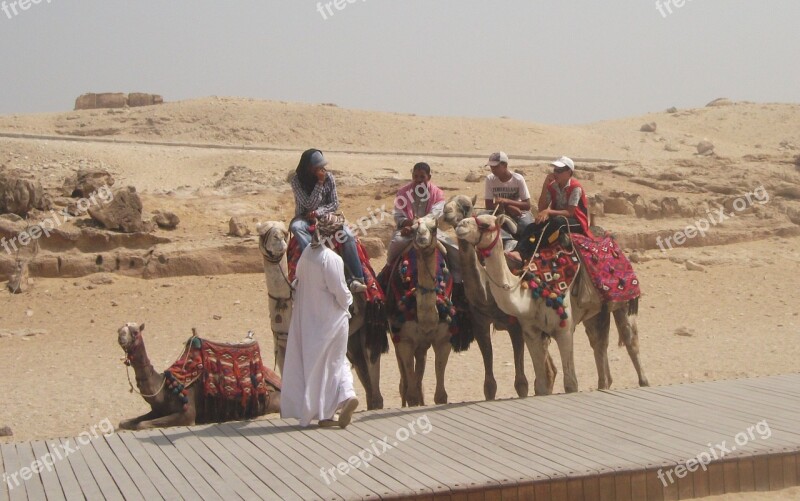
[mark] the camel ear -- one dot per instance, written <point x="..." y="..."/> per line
<point x="441" y="247"/>
<point x="141" y="328"/>
<point x="474" y="200"/>
<point x="503" y="220"/>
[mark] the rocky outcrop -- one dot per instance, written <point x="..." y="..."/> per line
<point x="21" y="192"/>
<point x="237" y="227"/>
<point x="649" y="127"/>
<point x="86" y="182"/>
<point x="93" y="101"/>
<point x="166" y="220"/>
<point x="122" y="213"/>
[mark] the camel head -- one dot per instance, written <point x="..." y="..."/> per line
<point x="483" y="231"/>
<point x="273" y="240"/>
<point x="424" y="236"/>
<point x="128" y="334"/>
<point x="458" y="208"/>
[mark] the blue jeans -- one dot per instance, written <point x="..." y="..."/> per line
<point x="299" y="228"/>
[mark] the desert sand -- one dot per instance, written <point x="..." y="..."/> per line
<point x="60" y="365"/>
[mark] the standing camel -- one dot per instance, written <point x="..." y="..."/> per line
<point x="426" y="328"/>
<point x="540" y="321"/>
<point x="484" y="309"/>
<point x="273" y="243"/>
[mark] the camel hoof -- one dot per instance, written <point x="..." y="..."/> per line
<point x="490" y="389"/>
<point x="522" y="388"/>
<point x="644" y="382"/>
<point x="440" y="398"/>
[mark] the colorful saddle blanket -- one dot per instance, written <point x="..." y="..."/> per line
<point x="611" y="272"/>
<point x="227" y="372"/>
<point x="549" y="276"/>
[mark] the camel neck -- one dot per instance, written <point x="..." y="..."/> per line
<point x="474" y="285"/>
<point x="278" y="278"/>
<point x="512" y="300"/>
<point x="147" y="379"/>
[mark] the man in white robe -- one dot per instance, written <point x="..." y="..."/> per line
<point x="316" y="378"/>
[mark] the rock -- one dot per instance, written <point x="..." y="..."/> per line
<point x="19" y="281"/>
<point x="672" y="110"/>
<point x="140" y="99"/>
<point x="722" y="101"/>
<point x="21" y="192"/>
<point x="112" y="100"/>
<point x="705" y="147"/>
<point x="93" y="101"/>
<point x="114" y="303"/>
<point x="238" y="227"/>
<point x="217" y="317"/>
<point x="648" y="127"/>
<point x="374" y="247"/>
<point x="5" y="431"/>
<point x="618" y="205"/>
<point x="101" y="279"/>
<point x="166" y="220"/>
<point x="692" y="266"/>
<point x="239" y="179"/>
<point x="683" y="331"/>
<point x="792" y="192"/>
<point x="623" y="171"/>
<point x="123" y="212"/>
<point x="11" y="217"/>
<point x="475" y="176"/>
<point x="86" y="182"/>
<point x="671" y="147"/>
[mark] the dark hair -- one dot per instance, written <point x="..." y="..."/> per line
<point x="423" y="167"/>
<point x="305" y="173"/>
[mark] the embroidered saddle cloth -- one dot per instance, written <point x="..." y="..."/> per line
<point x="611" y="272"/>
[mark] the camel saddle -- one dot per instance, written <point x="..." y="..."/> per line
<point x="610" y="270"/>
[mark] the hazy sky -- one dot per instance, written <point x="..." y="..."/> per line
<point x="540" y="60"/>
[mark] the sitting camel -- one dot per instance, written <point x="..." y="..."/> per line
<point x="176" y="400"/>
<point x="538" y="320"/>
<point x="426" y="327"/>
<point x="484" y="309"/>
<point x="364" y="356"/>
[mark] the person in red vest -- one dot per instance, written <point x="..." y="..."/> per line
<point x="562" y="209"/>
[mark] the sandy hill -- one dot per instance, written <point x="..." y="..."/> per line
<point x="737" y="130"/>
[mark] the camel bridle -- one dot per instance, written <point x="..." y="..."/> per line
<point x="136" y="344"/>
<point x="276" y="259"/>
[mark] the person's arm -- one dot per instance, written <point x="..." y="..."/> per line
<point x="301" y="199"/>
<point x="333" y="271"/>
<point x="572" y="203"/>
<point x="333" y="199"/>
<point x="544" y="198"/>
<point x="437" y="210"/>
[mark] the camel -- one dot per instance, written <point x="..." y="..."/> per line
<point x="173" y="404"/>
<point x="484" y="309"/>
<point x="427" y="329"/>
<point x="273" y="243"/>
<point x="539" y="321"/>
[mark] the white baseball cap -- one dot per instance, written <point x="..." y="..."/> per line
<point x="564" y="162"/>
<point x="497" y="158"/>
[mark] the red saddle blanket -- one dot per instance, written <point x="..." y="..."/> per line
<point x="549" y="275"/>
<point x="611" y="272"/>
<point x="229" y="372"/>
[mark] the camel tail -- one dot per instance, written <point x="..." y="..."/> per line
<point x="376" y="325"/>
<point x="633" y="307"/>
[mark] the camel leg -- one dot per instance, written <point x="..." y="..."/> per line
<point x="537" y="348"/>
<point x="441" y="350"/>
<point x="130" y="424"/>
<point x="274" y="405"/>
<point x="279" y="342"/>
<point x="518" y="346"/>
<point x="375" y="397"/>
<point x="420" y="361"/>
<point x="550" y="368"/>
<point x="597" y="330"/>
<point x="565" y="344"/>
<point x="483" y="336"/>
<point x="629" y="336"/>
<point x="357" y="357"/>
<point x="177" y="419"/>
<point x="409" y="388"/>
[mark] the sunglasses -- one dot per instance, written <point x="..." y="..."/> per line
<point x="559" y="170"/>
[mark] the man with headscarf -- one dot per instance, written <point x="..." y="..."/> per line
<point x="315" y="198"/>
<point x="316" y="378"/>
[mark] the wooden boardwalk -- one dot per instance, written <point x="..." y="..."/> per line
<point x="598" y="446"/>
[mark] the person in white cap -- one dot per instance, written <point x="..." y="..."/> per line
<point x="562" y="209"/>
<point x="507" y="190"/>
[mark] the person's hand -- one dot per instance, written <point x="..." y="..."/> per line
<point x="513" y="211"/>
<point x="321" y="175"/>
<point x="549" y="179"/>
<point x="311" y="215"/>
<point x="542" y="216"/>
<point x="406" y="231"/>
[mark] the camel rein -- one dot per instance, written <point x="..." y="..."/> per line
<point x="127" y="361"/>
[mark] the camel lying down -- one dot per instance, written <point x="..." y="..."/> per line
<point x="209" y="383"/>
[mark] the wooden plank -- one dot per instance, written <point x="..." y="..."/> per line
<point x="88" y="486"/>
<point x="50" y="482"/>
<point x="4" y="480"/>
<point x="775" y="467"/>
<point x="235" y="465"/>
<point x="130" y="452"/>
<point x="13" y="465"/>
<point x="33" y="485"/>
<point x="207" y="463"/>
<point x="747" y="477"/>
<point x="171" y="461"/>
<point x="790" y="470"/>
<point x="701" y="483"/>
<point x="655" y="487"/>
<point x="259" y="464"/>
<point x="66" y="477"/>
<point x="730" y="470"/>
<point x="125" y="483"/>
<point x="142" y="480"/>
<point x="716" y="479"/>
<point x="102" y="476"/>
<point x="761" y="465"/>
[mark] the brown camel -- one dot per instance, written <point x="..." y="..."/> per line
<point x="484" y="309"/>
<point x="173" y="404"/>
<point x="366" y="359"/>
